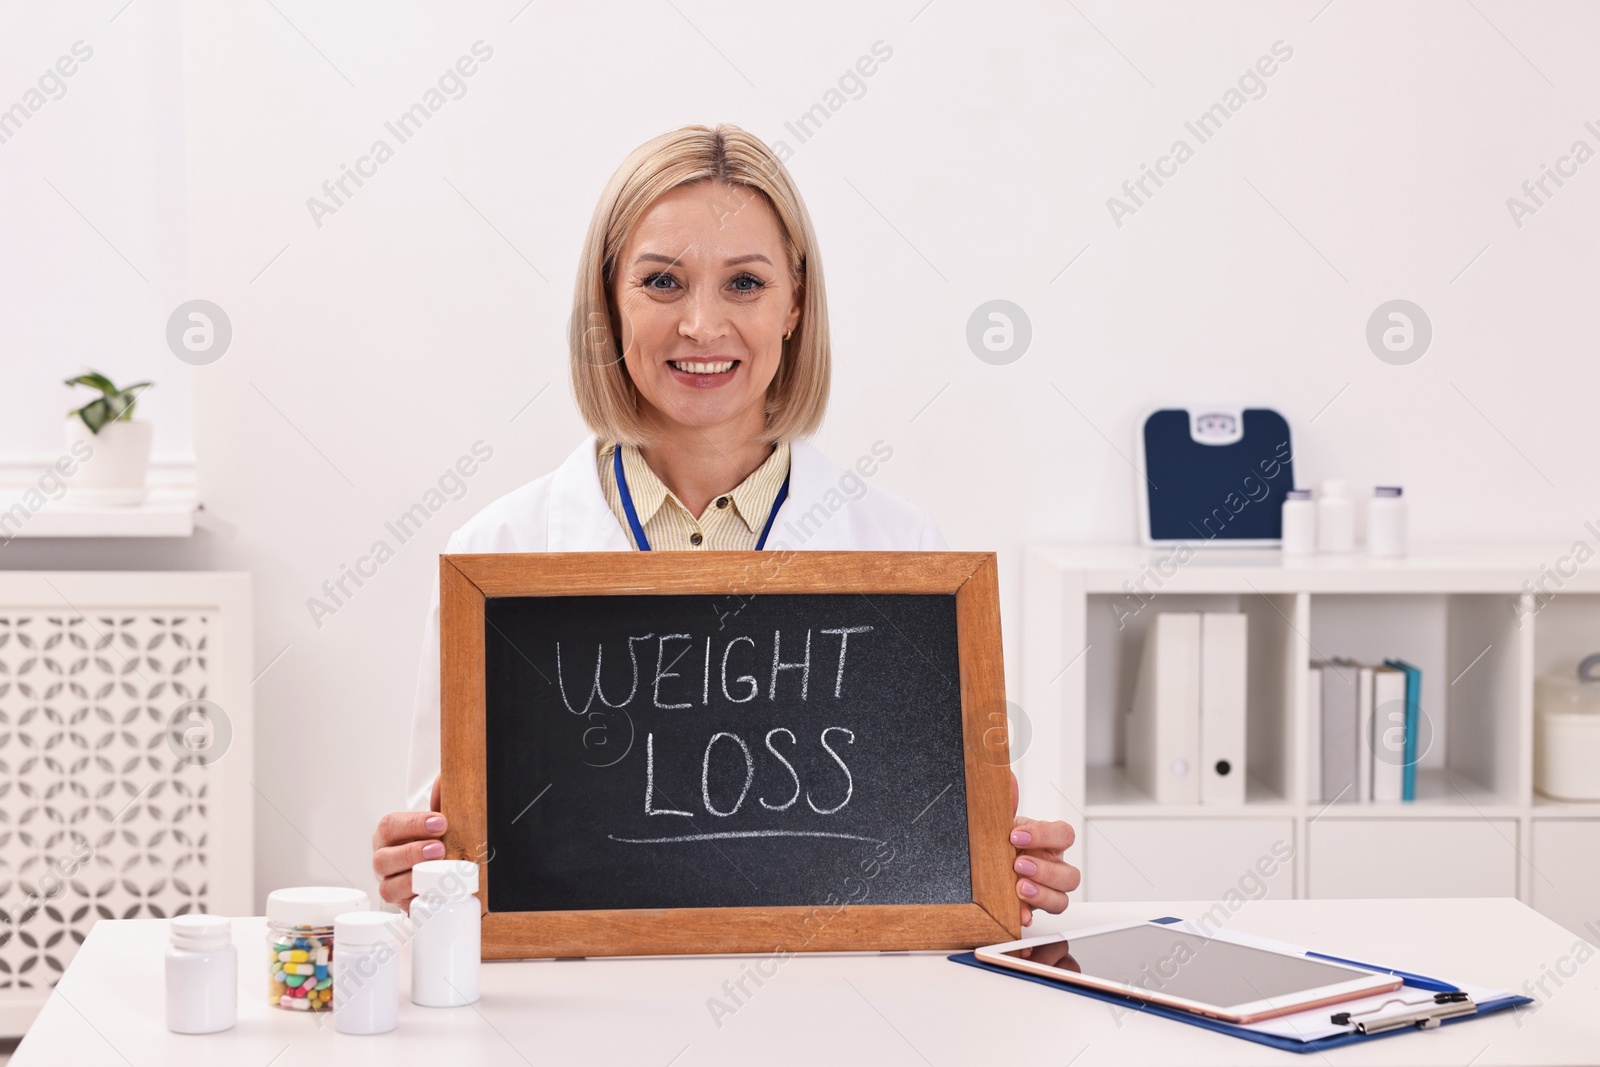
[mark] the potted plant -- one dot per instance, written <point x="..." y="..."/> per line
<point x="119" y="444"/>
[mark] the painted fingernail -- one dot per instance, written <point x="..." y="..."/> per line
<point x="1028" y="889"/>
<point x="434" y="823"/>
<point x="433" y="850"/>
<point x="1026" y="866"/>
<point x="1021" y="837"/>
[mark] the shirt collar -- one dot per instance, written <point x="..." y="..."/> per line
<point x="752" y="498"/>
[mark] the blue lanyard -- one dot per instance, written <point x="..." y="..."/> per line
<point x="633" y="516"/>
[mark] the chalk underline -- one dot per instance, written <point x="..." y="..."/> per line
<point x="738" y="833"/>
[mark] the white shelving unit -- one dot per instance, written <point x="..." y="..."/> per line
<point x="33" y="507"/>
<point x="1463" y="615"/>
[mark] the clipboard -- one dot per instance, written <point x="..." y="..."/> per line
<point x="1421" y="1003"/>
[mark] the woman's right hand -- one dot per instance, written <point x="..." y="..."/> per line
<point x="404" y="839"/>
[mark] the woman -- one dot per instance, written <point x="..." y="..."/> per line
<point x="700" y="358"/>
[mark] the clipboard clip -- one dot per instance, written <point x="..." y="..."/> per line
<point x="1423" y="1015"/>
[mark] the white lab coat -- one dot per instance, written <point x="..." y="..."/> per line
<point x="828" y="507"/>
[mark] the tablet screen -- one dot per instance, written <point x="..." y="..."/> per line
<point x="1175" y="963"/>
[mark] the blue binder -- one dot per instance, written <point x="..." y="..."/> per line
<point x="1287" y="1044"/>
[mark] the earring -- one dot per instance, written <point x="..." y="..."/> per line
<point x="786" y="335"/>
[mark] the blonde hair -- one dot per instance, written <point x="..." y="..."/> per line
<point x="607" y="397"/>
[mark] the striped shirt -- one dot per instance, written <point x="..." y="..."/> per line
<point x="732" y="521"/>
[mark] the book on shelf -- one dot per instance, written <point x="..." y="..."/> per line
<point x="1413" y="711"/>
<point x="1340" y="732"/>
<point x="1314" y="732"/>
<point x="1388" y="734"/>
<point x="1363" y="727"/>
<point x="1363" y="734"/>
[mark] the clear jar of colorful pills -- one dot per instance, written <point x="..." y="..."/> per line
<point x="300" y="944"/>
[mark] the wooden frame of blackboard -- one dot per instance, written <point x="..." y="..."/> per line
<point x="465" y="581"/>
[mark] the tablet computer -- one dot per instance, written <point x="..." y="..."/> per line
<point x="1217" y="975"/>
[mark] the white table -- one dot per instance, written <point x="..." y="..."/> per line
<point x="835" y="1010"/>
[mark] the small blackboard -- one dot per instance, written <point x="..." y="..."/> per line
<point x="675" y="753"/>
<point x="666" y="752"/>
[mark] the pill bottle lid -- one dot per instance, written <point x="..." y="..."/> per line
<point x="447" y="878"/>
<point x="1299" y="494"/>
<point x="313" y="905"/>
<point x="1386" y="490"/>
<point x="201" y="932"/>
<point x="366" y="928"/>
<point x="1333" y="487"/>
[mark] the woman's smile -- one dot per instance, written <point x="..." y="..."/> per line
<point x="704" y="373"/>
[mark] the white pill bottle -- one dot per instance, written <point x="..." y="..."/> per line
<point x="1386" y="522"/>
<point x="447" y="946"/>
<point x="1336" y="518"/>
<point x="366" y="973"/>
<point x="202" y="975"/>
<point x="1299" y="523"/>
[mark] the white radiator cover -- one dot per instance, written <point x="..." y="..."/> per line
<point x="118" y="798"/>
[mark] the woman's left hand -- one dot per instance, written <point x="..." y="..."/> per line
<point x="1043" y="879"/>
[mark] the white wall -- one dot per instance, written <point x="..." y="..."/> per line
<point x="429" y="310"/>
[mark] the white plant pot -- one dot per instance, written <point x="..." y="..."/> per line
<point x="118" y="464"/>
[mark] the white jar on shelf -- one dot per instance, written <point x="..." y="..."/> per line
<point x="1566" y="734"/>
<point x="1386" y="522"/>
<point x="1336" y="517"/>
<point x="1299" y="523"/>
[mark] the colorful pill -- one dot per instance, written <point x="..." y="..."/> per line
<point x="290" y="1002"/>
